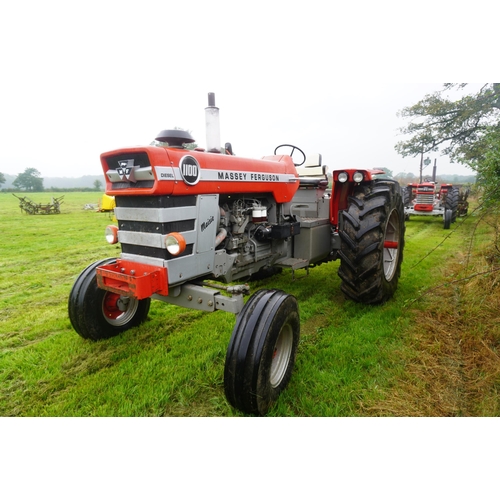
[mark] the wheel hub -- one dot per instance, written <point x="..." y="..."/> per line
<point x="391" y="244"/>
<point x="281" y="355"/>
<point x="118" y="310"/>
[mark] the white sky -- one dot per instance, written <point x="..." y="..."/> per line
<point x="79" y="79"/>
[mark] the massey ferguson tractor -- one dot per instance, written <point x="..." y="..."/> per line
<point x="426" y="198"/>
<point x="194" y="224"/>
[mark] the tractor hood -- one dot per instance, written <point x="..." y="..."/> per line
<point x="155" y="170"/>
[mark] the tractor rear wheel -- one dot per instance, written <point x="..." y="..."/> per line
<point x="261" y="353"/>
<point x="98" y="314"/>
<point x="372" y="241"/>
<point x="407" y="195"/>
<point x="451" y="202"/>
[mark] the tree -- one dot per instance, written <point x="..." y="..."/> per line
<point x="97" y="185"/>
<point x="488" y="167"/>
<point x="405" y="178"/>
<point x="467" y="129"/>
<point x="457" y="127"/>
<point x="29" y="180"/>
<point x="2" y="179"/>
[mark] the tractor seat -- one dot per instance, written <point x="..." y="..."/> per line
<point x="312" y="173"/>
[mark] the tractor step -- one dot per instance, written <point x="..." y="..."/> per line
<point x="309" y="222"/>
<point x="292" y="263"/>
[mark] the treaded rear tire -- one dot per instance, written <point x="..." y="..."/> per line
<point x="407" y="195"/>
<point x="372" y="241"/>
<point x="451" y="202"/>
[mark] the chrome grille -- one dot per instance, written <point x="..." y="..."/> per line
<point x="425" y="199"/>
<point x="144" y="221"/>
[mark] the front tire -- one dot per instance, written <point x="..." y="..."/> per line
<point x="447" y="219"/>
<point x="372" y="241"/>
<point x="261" y="352"/>
<point x="97" y="314"/>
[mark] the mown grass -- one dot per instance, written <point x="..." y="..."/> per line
<point x="353" y="360"/>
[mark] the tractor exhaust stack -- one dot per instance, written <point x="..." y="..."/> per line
<point x="212" y="125"/>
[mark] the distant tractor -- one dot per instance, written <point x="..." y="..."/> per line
<point x="187" y="218"/>
<point x="425" y="198"/>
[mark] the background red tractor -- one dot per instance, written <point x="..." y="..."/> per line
<point x="426" y="198"/>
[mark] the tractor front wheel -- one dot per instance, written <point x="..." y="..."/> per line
<point x="372" y="240"/>
<point x="98" y="314"/>
<point x="261" y="352"/>
<point x="448" y="218"/>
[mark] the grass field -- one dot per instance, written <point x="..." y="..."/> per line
<point x="432" y="350"/>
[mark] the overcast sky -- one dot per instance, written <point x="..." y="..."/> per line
<point x="79" y="79"/>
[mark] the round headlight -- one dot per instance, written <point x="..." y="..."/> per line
<point x="343" y="177"/>
<point x="358" y="177"/>
<point x="111" y="234"/>
<point x="175" y="243"/>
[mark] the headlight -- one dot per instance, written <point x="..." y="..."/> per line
<point x="358" y="177"/>
<point x="175" y="243"/>
<point x="111" y="234"/>
<point x="343" y="177"/>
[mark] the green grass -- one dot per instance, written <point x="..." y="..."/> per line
<point x="349" y="360"/>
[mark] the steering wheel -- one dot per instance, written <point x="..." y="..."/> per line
<point x="294" y="148"/>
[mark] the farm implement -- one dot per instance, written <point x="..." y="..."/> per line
<point x="32" y="208"/>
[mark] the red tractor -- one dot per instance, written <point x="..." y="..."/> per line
<point x="193" y="223"/>
<point x="426" y="198"/>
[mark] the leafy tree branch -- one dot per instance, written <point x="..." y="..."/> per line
<point x="455" y="127"/>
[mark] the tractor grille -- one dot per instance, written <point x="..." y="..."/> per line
<point x="126" y="185"/>
<point x="143" y="222"/>
<point x="140" y="159"/>
<point x="425" y="199"/>
<point x="130" y="170"/>
<point x="139" y="202"/>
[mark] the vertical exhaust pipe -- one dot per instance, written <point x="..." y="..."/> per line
<point x="434" y="171"/>
<point x="212" y="125"/>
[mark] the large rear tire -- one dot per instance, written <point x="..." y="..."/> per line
<point x="407" y="195"/>
<point x="98" y="314"/>
<point x="261" y="353"/>
<point x="451" y="202"/>
<point x="372" y="241"/>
